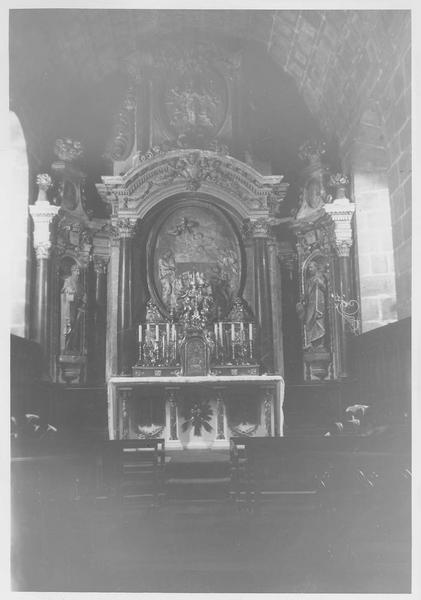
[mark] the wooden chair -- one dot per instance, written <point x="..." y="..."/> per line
<point x="133" y="468"/>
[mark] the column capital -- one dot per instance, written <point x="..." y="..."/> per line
<point x="125" y="228"/>
<point x="341" y="212"/>
<point x="260" y="227"/>
<point x="42" y="213"/>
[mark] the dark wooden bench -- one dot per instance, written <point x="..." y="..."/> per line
<point x="325" y="469"/>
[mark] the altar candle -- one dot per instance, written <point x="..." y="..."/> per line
<point x="215" y="327"/>
<point x="220" y="333"/>
<point x="168" y="331"/>
<point x="140" y="333"/>
<point x="148" y="331"/>
<point x="232" y="332"/>
<point x="250" y="332"/>
<point x="156" y="332"/>
<point x="242" y="330"/>
<point x="173" y="332"/>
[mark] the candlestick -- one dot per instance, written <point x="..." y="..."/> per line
<point x="251" y="340"/>
<point x="233" y="340"/>
<point x="156" y="332"/>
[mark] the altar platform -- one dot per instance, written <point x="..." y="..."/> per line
<point x="195" y="412"/>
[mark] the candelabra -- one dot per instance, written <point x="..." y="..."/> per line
<point x="230" y="343"/>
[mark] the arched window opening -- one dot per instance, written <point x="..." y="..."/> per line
<point x="19" y="238"/>
<point x="374" y="239"/>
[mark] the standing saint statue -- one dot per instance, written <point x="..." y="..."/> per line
<point x="167" y="276"/>
<point x="73" y="311"/>
<point x="312" y="310"/>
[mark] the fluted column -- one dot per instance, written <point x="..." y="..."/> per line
<point x="97" y="359"/>
<point x="42" y="213"/>
<point x="341" y="212"/>
<point x="276" y="299"/>
<point x="125" y="340"/>
<point x="260" y="231"/>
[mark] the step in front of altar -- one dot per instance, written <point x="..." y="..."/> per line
<point x="199" y="480"/>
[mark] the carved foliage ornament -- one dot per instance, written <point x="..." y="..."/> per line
<point x="124" y="128"/>
<point x="68" y="149"/>
<point x="195" y="100"/>
<point x="44" y="181"/>
<point x="240" y="312"/>
<point x="153" y="315"/>
<point x="312" y="150"/>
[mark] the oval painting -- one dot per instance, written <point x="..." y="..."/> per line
<point x="195" y="238"/>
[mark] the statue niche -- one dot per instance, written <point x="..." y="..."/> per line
<point x="73" y="311"/>
<point x="313" y="312"/>
<point x="73" y="307"/>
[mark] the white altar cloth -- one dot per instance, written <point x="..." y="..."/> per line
<point x="114" y="383"/>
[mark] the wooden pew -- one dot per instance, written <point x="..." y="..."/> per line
<point x="132" y="468"/>
<point x="327" y="468"/>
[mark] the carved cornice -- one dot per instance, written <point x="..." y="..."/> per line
<point x="341" y="212"/>
<point x="192" y="170"/>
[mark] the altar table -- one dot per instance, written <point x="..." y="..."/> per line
<point x="221" y="393"/>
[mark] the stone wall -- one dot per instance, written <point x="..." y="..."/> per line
<point x="396" y="108"/>
<point x="374" y="250"/>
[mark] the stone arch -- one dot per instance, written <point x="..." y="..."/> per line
<point x="20" y="246"/>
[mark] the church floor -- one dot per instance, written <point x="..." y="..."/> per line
<point x="208" y="546"/>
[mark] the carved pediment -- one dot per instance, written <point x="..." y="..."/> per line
<point x="192" y="170"/>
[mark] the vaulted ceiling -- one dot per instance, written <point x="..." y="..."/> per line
<point x="65" y="64"/>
